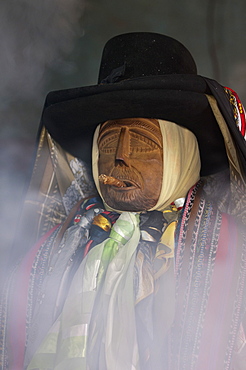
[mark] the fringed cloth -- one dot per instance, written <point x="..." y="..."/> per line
<point x="123" y="310"/>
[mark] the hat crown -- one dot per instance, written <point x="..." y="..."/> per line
<point x="142" y="54"/>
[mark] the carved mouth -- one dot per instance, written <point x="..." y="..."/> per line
<point x="130" y="184"/>
<point x="118" y="182"/>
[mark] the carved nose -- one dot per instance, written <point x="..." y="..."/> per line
<point x="123" y="148"/>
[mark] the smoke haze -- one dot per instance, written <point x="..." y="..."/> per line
<point x="36" y="36"/>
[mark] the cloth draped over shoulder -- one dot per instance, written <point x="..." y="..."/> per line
<point x="58" y="182"/>
<point x="95" y="310"/>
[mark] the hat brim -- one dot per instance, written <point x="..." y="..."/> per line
<point x="72" y="115"/>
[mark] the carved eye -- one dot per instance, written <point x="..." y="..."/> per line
<point x="140" y="143"/>
<point x="108" y="144"/>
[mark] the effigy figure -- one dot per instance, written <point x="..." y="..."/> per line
<point x="143" y="267"/>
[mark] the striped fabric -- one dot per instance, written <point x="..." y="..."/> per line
<point x="210" y="290"/>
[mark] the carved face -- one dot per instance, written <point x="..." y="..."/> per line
<point x="130" y="150"/>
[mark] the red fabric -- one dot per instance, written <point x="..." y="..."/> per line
<point x="241" y="111"/>
<point x="87" y="247"/>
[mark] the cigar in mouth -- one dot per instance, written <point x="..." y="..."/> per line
<point x="110" y="180"/>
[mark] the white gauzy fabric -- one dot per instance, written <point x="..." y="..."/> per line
<point x="96" y="329"/>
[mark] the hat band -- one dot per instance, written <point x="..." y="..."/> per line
<point x="115" y="75"/>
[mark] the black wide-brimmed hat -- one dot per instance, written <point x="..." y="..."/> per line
<point x="144" y="75"/>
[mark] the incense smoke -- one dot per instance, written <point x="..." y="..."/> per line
<point x="36" y="36"/>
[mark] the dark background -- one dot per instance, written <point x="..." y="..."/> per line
<point x="55" y="44"/>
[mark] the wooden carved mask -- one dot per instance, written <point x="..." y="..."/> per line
<point x="130" y="163"/>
